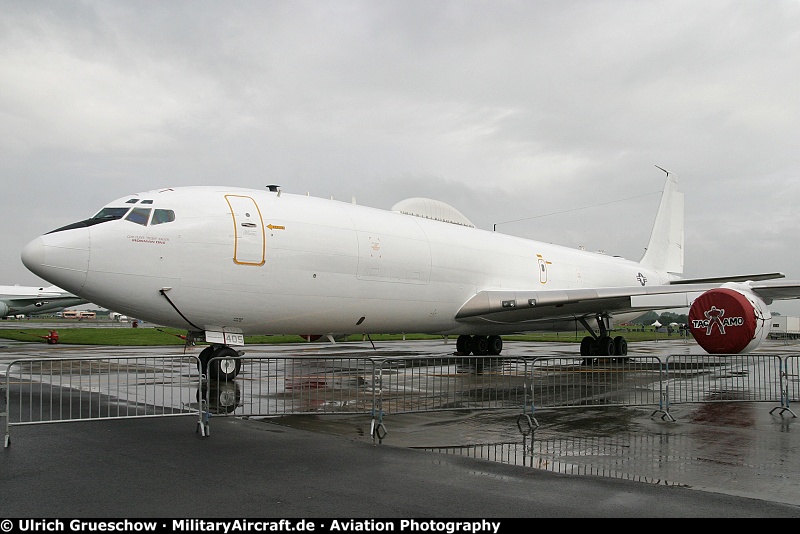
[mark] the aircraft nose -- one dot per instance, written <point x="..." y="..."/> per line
<point x="61" y="258"/>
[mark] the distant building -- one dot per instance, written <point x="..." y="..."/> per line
<point x="784" y="327"/>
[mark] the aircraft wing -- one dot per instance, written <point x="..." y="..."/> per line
<point x="509" y="306"/>
<point x="771" y="290"/>
<point x="16" y="299"/>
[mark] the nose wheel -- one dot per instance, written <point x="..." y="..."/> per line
<point x="221" y="362"/>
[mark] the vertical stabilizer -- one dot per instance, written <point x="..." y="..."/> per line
<point x="665" y="249"/>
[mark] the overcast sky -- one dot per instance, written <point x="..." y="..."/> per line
<point x="553" y="114"/>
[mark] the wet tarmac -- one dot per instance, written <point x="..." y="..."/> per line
<point x="714" y="460"/>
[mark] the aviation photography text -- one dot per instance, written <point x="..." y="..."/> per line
<point x="226" y="526"/>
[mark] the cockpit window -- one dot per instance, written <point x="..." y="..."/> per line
<point x="111" y="214"/>
<point x="147" y="201"/>
<point x="132" y="201"/>
<point x="104" y="215"/>
<point x="162" y="216"/>
<point x="139" y="216"/>
<point x="136" y="215"/>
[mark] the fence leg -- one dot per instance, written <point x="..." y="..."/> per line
<point x="5" y="398"/>
<point x="663" y="407"/>
<point x="527" y="424"/>
<point x="784" y="407"/>
<point x="376" y="428"/>
<point x="203" y="427"/>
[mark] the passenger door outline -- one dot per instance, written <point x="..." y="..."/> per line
<point x="249" y="242"/>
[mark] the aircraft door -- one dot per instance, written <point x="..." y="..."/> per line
<point x="542" y="269"/>
<point x="249" y="241"/>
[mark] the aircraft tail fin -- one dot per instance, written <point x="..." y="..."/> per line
<point x="665" y="249"/>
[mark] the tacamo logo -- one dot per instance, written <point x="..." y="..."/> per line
<point x="641" y="278"/>
<point x="716" y="316"/>
<point x="723" y="321"/>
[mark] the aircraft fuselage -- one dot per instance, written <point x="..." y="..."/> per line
<point x="259" y="262"/>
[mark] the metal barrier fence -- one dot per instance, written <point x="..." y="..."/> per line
<point x="376" y="386"/>
<point x="78" y="389"/>
<point x="626" y="457"/>
<point x="642" y="381"/>
<point x="790" y="381"/>
<point x="558" y="382"/>
<point x="57" y="390"/>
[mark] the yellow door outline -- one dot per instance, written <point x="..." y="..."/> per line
<point x="249" y="242"/>
<point x="542" y="268"/>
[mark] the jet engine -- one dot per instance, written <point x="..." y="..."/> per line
<point x="729" y="320"/>
<point x="3" y="309"/>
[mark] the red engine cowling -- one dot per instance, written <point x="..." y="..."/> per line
<point x="729" y="320"/>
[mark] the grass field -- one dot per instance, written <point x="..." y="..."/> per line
<point x="156" y="336"/>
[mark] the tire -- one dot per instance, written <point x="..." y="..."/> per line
<point x="620" y="346"/>
<point x="588" y="347"/>
<point x="203" y="358"/>
<point x="480" y="345"/>
<point x="495" y="345"/>
<point x="225" y="364"/>
<point x="605" y="346"/>
<point x="464" y="345"/>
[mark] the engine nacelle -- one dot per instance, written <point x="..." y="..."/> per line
<point x="729" y="320"/>
<point x="3" y="309"/>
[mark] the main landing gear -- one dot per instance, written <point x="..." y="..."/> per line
<point x="221" y="361"/>
<point x="479" y="345"/>
<point x="603" y="344"/>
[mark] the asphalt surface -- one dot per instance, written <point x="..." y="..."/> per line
<point x="162" y="468"/>
<point x="312" y="467"/>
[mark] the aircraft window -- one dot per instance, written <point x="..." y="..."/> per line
<point x="132" y="201"/>
<point x="104" y="215"/>
<point x="162" y="216"/>
<point x="147" y="201"/>
<point x="139" y="216"/>
<point x="110" y="214"/>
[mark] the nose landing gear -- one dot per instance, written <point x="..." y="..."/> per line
<point x="222" y="362"/>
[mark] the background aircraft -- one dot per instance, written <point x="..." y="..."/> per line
<point x="225" y="262"/>
<point x="26" y="300"/>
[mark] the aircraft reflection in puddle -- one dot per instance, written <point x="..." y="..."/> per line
<point x="222" y="397"/>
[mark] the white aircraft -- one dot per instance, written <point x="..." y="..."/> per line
<point x="25" y="300"/>
<point x="227" y="262"/>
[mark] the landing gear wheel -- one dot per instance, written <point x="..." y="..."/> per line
<point x="588" y="347"/>
<point x="620" y="347"/>
<point x="495" y="345"/>
<point x="202" y="362"/>
<point x="605" y="346"/>
<point x="225" y="364"/>
<point x="464" y="345"/>
<point x="480" y="345"/>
